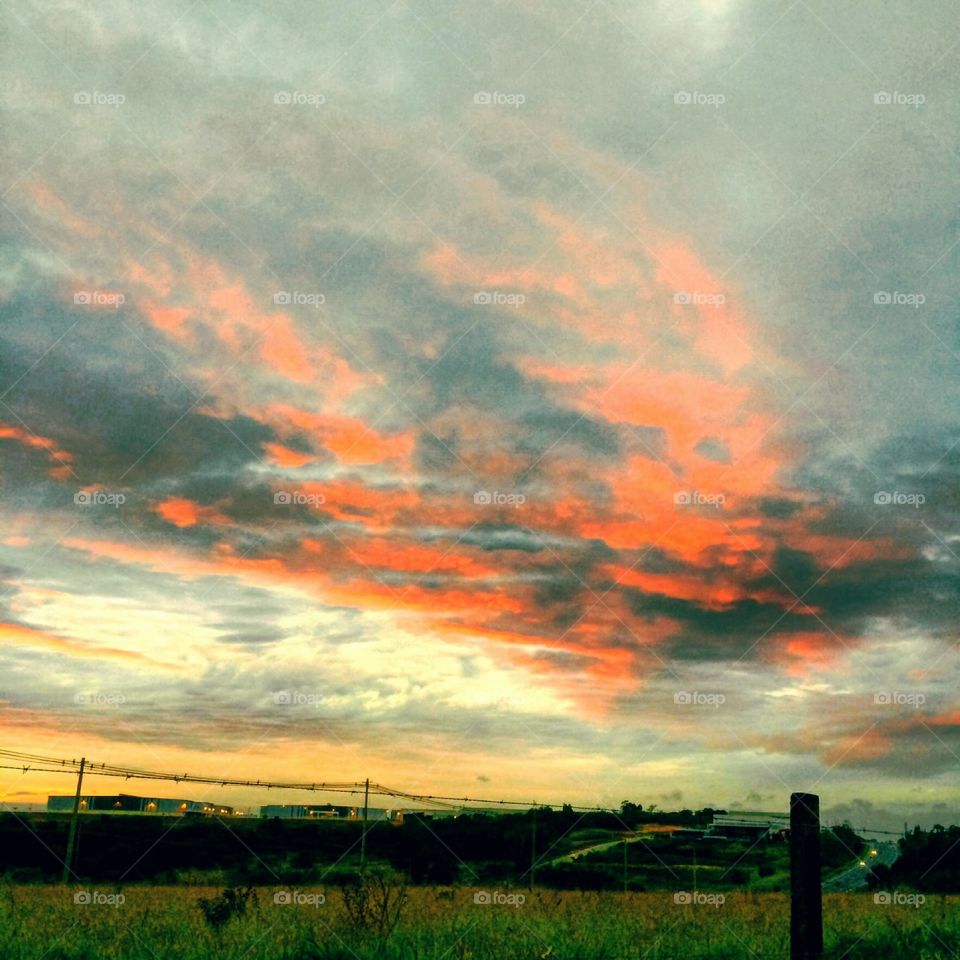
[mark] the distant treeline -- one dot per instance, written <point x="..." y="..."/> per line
<point x="474" y="848"/>
<point x="929" y="861"/>
<point x="115" y="848"/>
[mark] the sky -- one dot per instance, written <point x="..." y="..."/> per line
<point x="551" y="401"/>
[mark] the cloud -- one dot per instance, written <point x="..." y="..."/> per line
<point x="578" y="402"/>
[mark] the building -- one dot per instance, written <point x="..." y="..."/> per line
<point x="749" y="825"/>
<point x="304" y="811"/>
<point x="322" y="811"/>
<point x="128" y="803"/>
<point x="687" y="833"/>
<point x="424" y="816"/>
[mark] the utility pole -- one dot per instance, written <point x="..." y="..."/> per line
<point x="72" y="835"/>
<point x="533" y="849"/>
<point x="363" y="834"/>
<point x="624" y="864"/>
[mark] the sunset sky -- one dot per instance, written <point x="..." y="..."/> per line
<point x="550" y="401"/>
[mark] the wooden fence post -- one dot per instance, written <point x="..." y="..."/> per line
<point x="806" y="907"/>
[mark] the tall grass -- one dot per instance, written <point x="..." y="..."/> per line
<point x="169" y="923"/>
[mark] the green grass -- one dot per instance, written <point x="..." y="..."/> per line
<point x="165" y="923"/>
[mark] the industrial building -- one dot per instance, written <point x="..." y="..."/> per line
<point x="128" y="803"/>
<point x="323" y="811"/>
<point x="424" y="816"/>
<point x="749" y="825"/>
<point x="169" y="806"/>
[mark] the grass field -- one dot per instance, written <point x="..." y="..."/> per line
<point x="166" y="923"/>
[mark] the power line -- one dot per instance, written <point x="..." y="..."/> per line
<point x="28" y="763"/>
<point x="60" y="765"/>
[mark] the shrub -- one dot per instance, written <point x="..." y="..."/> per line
<point x="374" y="901"/>
<point x="217" y="911"/>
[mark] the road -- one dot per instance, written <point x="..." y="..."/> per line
<point x="854" y="877"/>
<point x="851" y="878"/>
<point x="605" y="845"/>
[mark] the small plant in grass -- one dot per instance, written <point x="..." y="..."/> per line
<point x="374" y="901"/>
<point x="219" y="910"/>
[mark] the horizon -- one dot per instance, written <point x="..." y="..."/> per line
<point x="881" y="820"/>
<point x="558" y="401"/>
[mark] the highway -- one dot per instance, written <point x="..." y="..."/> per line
<point x="849" y="879"/>
<point x="854" y="877"/>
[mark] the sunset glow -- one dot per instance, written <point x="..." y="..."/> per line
<point x="490" y="429"/>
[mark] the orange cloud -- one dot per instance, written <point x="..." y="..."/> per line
<point x="171" y="320"/>
<point x="285" y="457"/>
<point x="715" y="593"/>
<point x="29" y="439"/>
<point x="48" y="202"/>
<point x="209" y="298"/>
<point x="872" y="744"/>
<point x="347" y="438"/>
<point x="23" y="636"/>
<point x="403" y="556"/>
<point x="284" y="352"/>
<point x="802" y="654"/>
<point x="182" y="512"/>
<point x="719" y="330"/>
